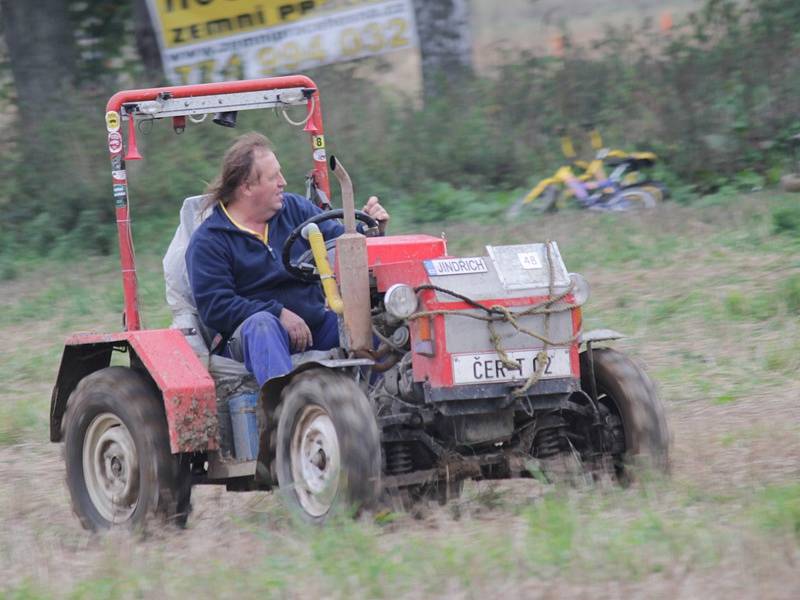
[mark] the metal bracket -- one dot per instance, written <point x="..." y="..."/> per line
<point x="219" y="469"/>
<point x="599" y="335"/>
<point x="163" y="107"/>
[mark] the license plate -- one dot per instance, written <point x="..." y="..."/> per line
<point x="455" y="266"/>
<point x="486" y="367"/>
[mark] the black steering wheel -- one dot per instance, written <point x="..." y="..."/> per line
<point x="304" y="267"/>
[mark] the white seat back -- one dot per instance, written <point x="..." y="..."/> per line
<point x="184" y="310"/>
<point x="176" y="278"/>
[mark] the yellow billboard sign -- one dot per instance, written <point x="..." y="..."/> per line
<point x="184" y="22"/>
<point x="215" y="40"/>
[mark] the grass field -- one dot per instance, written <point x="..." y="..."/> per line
<point x="709" y="295"/>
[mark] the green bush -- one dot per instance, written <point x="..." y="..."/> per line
<point x="786" y="219"/>
<point x="790" y="292"/>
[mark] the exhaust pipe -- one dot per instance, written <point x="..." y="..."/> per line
<point x="348" y="198"/>
<point x="351" y="256"/>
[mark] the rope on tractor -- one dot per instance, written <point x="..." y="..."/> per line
<point x="304" y="121"/>
<point x="501" y="314"/>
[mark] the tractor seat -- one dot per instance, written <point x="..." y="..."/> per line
<point x="184" y="311"/>
<point x="176" y="278"/>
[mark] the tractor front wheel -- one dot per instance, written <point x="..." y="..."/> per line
<point x="631" y="408"/>
<point x="328" y="446"/>
<point x="119" y="467"/>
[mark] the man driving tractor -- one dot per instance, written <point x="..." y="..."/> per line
<point x="484" y="364"/>
<point x="239" y="283"/>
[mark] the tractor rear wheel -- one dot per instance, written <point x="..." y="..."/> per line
<point x="120" y="470"/>
<point x="328" y="447"/>
<point x="630" y="402"/>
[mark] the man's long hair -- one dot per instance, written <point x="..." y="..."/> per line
<point x="237" y="166"/>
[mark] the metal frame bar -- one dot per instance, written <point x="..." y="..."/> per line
<point x="174" y="107"/>
<point x="193" y="97"/>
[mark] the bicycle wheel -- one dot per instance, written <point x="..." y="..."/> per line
<point x="658" y="189"/>
<point x="545" y="202"/>
<point x="631" y="199"/>
<point x="549" y="201"/>
<point x="515" y="209"/>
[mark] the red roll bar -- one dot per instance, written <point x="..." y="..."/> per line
<point x="116" y="111"/>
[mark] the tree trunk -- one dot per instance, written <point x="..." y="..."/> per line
<point x="42" y="54"/>
<point x="445" y="42"/>
<point x="147" y="42"/>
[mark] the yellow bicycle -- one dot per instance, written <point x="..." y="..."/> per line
<point x="623" y="189"/>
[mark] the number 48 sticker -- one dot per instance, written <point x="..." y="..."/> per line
<point x="529" y="260"/>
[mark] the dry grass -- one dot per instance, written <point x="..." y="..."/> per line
<point x="727" y="524"/>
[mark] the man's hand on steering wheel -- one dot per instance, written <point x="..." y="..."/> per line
<point x="301" y="269"/>
<point x="374" y="209"/>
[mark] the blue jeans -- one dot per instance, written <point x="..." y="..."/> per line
<point x="262" y="344"/>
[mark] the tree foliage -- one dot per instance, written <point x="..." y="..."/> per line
<point x="41" y="53"/>
<point x="717" y="99"/>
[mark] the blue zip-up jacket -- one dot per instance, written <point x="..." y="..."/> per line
<point x="234" y="274"/>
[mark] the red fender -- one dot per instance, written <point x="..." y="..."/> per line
<point x="186" y="386"/>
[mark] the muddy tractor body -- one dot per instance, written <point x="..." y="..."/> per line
<point x="449" y="368"/>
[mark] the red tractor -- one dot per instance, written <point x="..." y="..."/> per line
<point x="449" y="368"/>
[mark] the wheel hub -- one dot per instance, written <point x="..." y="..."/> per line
<point x="116" y="466"/>
<point x="111" y="468"/>
<point x="319" y="460"/>
<point x="315" y="460"/>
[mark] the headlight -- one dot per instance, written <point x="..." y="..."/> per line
<point x="580" y="288"/>
<point x="400" y="301"/>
